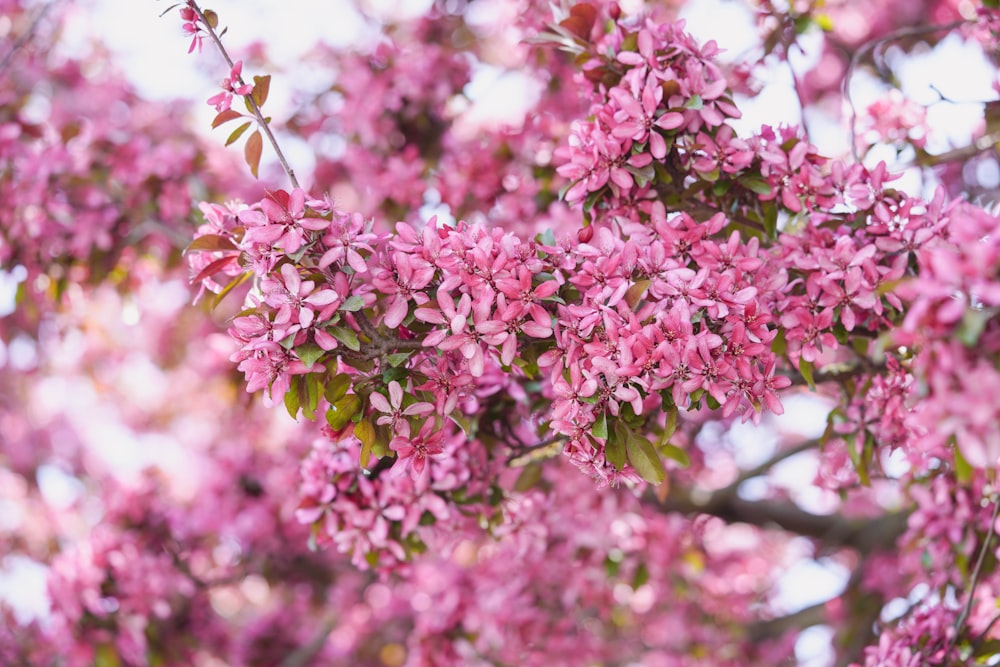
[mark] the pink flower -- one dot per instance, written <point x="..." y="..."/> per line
<point x="413" y="452"/>
<point x="395" y="414"/>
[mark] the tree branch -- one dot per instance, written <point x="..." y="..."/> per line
<point x="258" y="114"/>
<point x="305" y="653"/>
<point x="832" y="530"/>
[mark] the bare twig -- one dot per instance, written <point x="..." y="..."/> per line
<point x="967" y="607"/>
<point x="305" y="653"/>
<point x="871" y="47"/>
<point x="25" y="36"/>
<point x="766" y="466"/>
<point x="258" y="114"/>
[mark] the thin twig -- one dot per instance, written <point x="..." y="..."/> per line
<point x="967" y="607"/>
<point x="305" y="653"/>
<point x="869" y="47"/>
<point x="23" y="39"/>
<point x="258" y="114"/>
<point x="766" y="466"/>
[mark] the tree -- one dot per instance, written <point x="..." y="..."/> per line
<point x="542" y="432"/>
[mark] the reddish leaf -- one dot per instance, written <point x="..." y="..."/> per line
<point x="212" y="19"/>
<point x="252" y="151"/>
<point x="225" y="117"/>
<point x="211" y="242"/>
<point x="581" y="20"/>
<point x="261" y="86"/>
<point x="214" y="267"/>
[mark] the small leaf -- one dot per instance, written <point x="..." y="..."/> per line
<point x="643" y="457"/>
<point x="963" y="470"/>
<point x="238" y="132"/>
<point x="310" y="400"/>
<point x="261" y="86"/>
<point x="695" y="103"/>
<point x="309" y="353"/>
<point x="347" y="337"/>
<point x="168" y="9"/>
<point x="353" y="304"/>
<point x="600" y="427"/>
<point x="213" y="268"/>
<point x="253" y="150"/>
<point x="771" y="219"/>
<point x="529" y="478"/>
<point x="292" y="398"/>
<point x="806" y="369"/>
<point x="211" y="242"/>
<point x="211" y="18"/>
<point x="675" y="453"/>
<point x="757" y="185"/>
<point x="398" y="358"/>
<point x="779" y="345"/>
<point x="635" y="293"/>
<point x="341" y="412"/>
<point x="671" y="426"/>
<point x="233" y="284"/>
<point x="614" y="448"/>
<point x="580" y="21"/>
<point x="365" y="432"/>
<point x="225" y="116"/>
<point x="337" y="387"/>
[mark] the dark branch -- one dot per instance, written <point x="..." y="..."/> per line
<point x="832" y="530"/>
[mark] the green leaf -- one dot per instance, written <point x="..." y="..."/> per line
<point x="347" y="337"/>
<point x="238" y="132"/>
<point x="391" y="373"/>
<point x="546" y="238"/>
<point x="756" y="184"/>
<point x="806" y="369"/>
<point x="341" y="412"/>
<point x="529" y="478"/>
<point x="398" y="358"/>
<point x="614" y="448"/>
<point x="337" y="387"/>
<point x="600" y="428"/>
<point x="106" y="657"/>
<point x="771" y="219"/>
<point x="675" y="453"/>
<point x="694" y="103"/>
<point x="365" y="432"/>
<point x="671" y="426"/>
<point x="309" y="353"/>
<point x="643" y="457"/>
<point x="973" y="324"/>
<point x="963" y="469"/>
<point x="779" y="345"/>
<point x="353" y="304"/>
<point x="292" y="398"/>
<point x="233" y="284"/>
<point x="311" y="399"/>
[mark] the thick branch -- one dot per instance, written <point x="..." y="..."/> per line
<point x="833" y="530"/>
